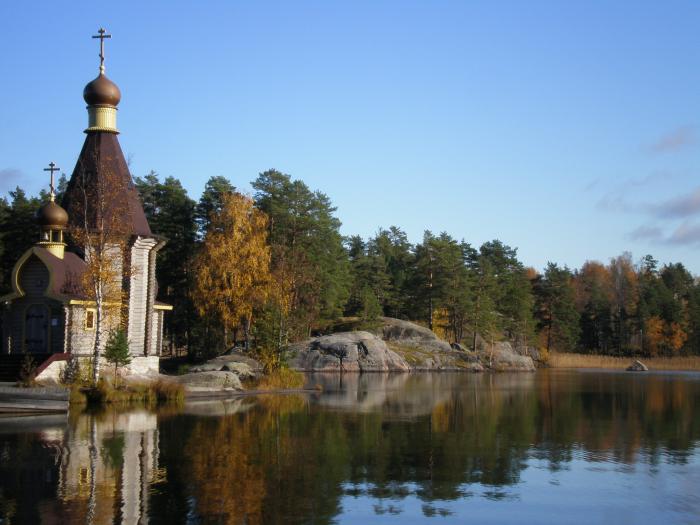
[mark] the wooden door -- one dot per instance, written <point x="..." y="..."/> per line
<point x="36" y="329"/>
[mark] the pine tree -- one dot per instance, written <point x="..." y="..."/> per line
<point x="556" y="309"/>
<point x="307" y="249"/>
<point x="171" y="213"/>
<point x="117" y="351"/>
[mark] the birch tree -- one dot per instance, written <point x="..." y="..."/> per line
<point x="100" y="222"/>
<point x="232" y="269"/>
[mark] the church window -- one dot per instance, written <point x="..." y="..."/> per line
<point x="90" y="315"/>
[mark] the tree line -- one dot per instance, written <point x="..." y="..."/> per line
<point x="271" y="268"/>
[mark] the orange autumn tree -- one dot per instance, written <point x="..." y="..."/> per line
<point x="232" y="270"/>
<point x="663" y="337"/>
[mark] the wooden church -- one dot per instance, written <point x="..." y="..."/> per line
<point x="51" y="310"/>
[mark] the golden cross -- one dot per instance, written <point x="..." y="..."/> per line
<point x="102" y="35"/>
<point x="52" y="167"/>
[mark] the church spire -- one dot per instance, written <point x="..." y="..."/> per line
<point x="102" y="96"/>
<point x="101" y="167"/>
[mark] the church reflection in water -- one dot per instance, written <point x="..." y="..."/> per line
<point x="91" y="469"/>
<point x="386" y="446"/>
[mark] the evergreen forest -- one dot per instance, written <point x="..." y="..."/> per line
<point x="264" y="270"/>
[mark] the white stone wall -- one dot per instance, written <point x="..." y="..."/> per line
<point x="81" y="341"/>
<point x="138" y="294"/>
<point x="144" y="365"/>
<point x="155" y="349"/>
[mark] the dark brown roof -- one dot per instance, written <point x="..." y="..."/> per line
<point x="101" y="169"/>
<point x="67" y="273"/>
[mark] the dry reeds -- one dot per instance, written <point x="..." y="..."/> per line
<point x="570" y="360"/>
<point x="282" y="379"/>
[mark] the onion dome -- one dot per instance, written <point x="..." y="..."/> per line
<point x="52" y="215"/>
<point x="102" y="92"/>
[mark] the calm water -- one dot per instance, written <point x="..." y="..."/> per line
<point x="552" y="447"/>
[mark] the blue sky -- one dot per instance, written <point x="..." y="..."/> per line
<point x="570" y="130"/>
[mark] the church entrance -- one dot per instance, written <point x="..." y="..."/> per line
<point x="36" y="329"/>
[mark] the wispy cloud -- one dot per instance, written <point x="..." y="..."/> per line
<point x="591" y="184"/>
<point x="679" y="207"/>
<point x="677" y="140"/>
<point x="649" y="233"/>
<point x="686" y="234"/>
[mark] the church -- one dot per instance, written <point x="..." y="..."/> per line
<point x="52" y="311"/>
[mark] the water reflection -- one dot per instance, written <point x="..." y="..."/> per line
<point x="506" y="448"/>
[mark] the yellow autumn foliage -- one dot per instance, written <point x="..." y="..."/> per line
<point x="232" y="270"/>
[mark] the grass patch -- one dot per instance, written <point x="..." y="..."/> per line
<point x="168" y="392"/>
<point x="150" y="394"/>
<point x="570" y="360"/>
<point x="282" y="379"/>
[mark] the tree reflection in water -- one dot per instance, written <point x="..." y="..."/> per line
<point x="383" y="445"/>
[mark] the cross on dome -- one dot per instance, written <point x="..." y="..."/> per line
<point x="52" y="167"/>
<point x="102" y="35"/>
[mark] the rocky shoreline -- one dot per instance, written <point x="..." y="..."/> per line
<point x="395" y="346"/>
<point x="402" y="346"/>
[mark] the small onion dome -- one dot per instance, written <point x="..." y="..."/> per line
<point x="102" y="91"/>
<point x="51" y="214"/>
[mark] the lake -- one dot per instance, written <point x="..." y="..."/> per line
<point x="550" y="447"/>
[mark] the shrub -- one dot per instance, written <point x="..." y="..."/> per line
<point x="76" y="395"/>
<point x="27" y="373"/>
<point x="70" y="374"/>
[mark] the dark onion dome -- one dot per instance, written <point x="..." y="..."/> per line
<point x="51" y="214"/>
<point x="102" y="91"/>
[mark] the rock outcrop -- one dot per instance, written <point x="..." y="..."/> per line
<point x="216" y="380"/>
<point x="348" y="351"/>
<point x="241" y="365"/>
<point x="221" y="373"/>
<point x="637" y="366"/>
<point x="500" y="356"/>
<point x="425" y="351"/>
<point x="401" y="346"/>
<point x="407" y="333"/>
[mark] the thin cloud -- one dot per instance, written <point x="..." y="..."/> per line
<point x="617" y="200"/>
<point x="592" y="184"/>
<point x="686" y="234"/>
<point x="677" y="140"/>
<point x="679" y="207"/>
<point x="614" y="202"/>
<point x="649" y="233"/>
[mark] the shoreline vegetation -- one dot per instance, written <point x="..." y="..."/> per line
<point x="572" y="360"/>
<point x="272" y="269"/>
<point x="271" y="272"/>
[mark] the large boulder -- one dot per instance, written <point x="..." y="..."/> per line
<point x="243" y="366"/>
<point x="217" y="380"/>
<point x="347" y="351"/>
<point x="501" y="357"/>
<point x="637" y="366"/>
<point x="408" y="333"/>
